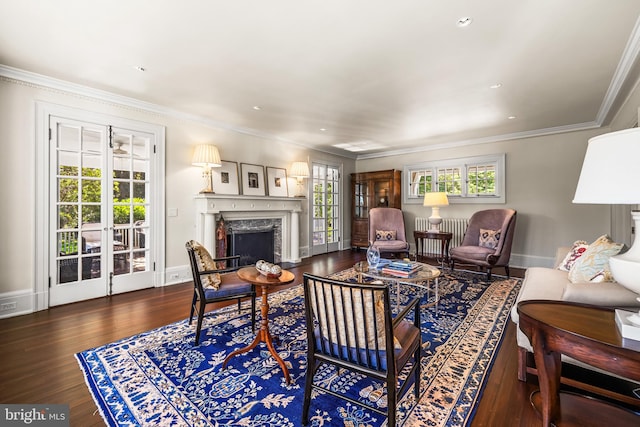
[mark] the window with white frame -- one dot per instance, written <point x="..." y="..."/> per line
<point x="465" y="180"/>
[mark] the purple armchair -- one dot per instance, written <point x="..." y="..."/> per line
<point x="489" y="249"/>
<point x="386" y="231"/>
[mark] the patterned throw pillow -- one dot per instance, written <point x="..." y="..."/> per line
<point x="205" y="262"/>
<point x="593" y="264"/>
<point x="385" y="234"/>
<point x="577" y="249"/>
<point x="489" y="238"/>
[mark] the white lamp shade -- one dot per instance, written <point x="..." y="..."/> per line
<point x="206" y="155"/>
<point x="300" y="170"/>
<point x="611" y="170"/>
<point x="435" y="199"/>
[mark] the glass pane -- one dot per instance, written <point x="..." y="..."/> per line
<point x="121" y="190"/>
<point x="141" y="147"/>
<point x="67" y="242"/>
<point x="91" y="214"/>
<point x="139" y="237"/>
<point x="91" y="191"/>
<point x="67" y="270"/>
<point x="91" y="267"/>
<point x="68" y="190"/>
<point x="121" y="263"/>
<point x="139" y="261"/>
<point x="91" y="239"/>
<point x="91" y="166"/>
<point x="122" y="214"/>
<point x="68" y="163"/>
<point x="91" y="141"/>
<point x="68" y="138"/>
<point x="121" y="167"/>
<point x="67" y="216"/>
<point x="139" y="191"/>
<point x="139" y="213"/>
<point x="120" y="239"/>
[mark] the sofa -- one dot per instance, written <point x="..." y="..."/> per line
<point x="542" y="283"/>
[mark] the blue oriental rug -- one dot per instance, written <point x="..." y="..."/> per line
<point x="158" y="378"/>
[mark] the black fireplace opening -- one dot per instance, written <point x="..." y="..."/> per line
<point x="251" y="244"/>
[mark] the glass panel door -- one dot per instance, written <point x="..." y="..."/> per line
<point x="100" y="179"/>
<point x="326" y="221"/>
<point x="77" y="164"/>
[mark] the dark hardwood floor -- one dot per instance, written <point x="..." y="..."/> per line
<point x="38" y="364"/>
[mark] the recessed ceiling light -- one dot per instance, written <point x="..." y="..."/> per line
<point x="256" y="107"/>
<point x="511" y="117"/>
<point x="495" y="86"/>
<point x="464" y="21"/>
<point x="323" y="129"/>
<point x="139" y="68"/>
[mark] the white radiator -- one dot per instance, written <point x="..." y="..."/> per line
<point x="457" y="226"/>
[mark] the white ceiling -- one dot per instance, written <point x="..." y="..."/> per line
<point x="398" y="76"/>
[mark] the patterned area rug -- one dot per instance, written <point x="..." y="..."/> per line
<point x="160" y="378"/>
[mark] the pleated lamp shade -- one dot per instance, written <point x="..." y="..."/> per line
<point x="206" y="155"/>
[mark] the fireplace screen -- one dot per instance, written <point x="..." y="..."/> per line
<point x="252" y="244"/>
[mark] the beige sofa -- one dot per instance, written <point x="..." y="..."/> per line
<point x="553" y="284"/>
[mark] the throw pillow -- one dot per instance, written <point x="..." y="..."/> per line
<point x="357" y="322"/>
<point x="385" y="235"/>
<point x="489" y="238"/>
<point x="577" y="249"/>
<point x="205" y="263"/>
<point x="594" y="262"/>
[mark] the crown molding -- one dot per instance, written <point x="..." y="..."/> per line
<point x="485" y="140"/>
<point x="52" y="84"/>
<point x="627" y="60"/>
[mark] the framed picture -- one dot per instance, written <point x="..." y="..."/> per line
<point x="252" y="179"/>
<point x="277" y="182"/>
<point x="225" y="178"/>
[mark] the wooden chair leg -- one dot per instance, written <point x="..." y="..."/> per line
<point x="193" y="306"/>
<point x="199" y="324"/>
<point x="522" y="364"/>
<point x="392" y="396"/>
<point x="489" y="273"/>
<point x="307" y="388"/>
<point x="506" y="269"/>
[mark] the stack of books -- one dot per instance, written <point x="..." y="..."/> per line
<point x="401" y="268"/>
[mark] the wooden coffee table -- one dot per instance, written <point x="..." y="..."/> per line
<point x="588" y="334"/>
<point x="251" y="275"/>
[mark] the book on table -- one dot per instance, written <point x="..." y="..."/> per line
<point x="401" y="268"/>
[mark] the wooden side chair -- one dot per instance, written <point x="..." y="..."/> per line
<point x="349" y="326"/>
<point x="210" y="286"/>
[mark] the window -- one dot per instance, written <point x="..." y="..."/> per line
<point x="465" y="180"/>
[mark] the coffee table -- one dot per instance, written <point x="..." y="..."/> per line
<point x="423" y="279"/>
<point x="253" y="276"/>
<point x="585" y="333"/>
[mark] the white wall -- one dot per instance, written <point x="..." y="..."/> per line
<point x="541" y="177"/>
<point x="183" y="181"/>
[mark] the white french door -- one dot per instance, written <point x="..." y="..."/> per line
<point x="326" y="208"/>
<point x="100" y="215"/>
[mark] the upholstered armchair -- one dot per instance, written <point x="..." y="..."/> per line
<point x="350" y="327"/>
<point x="487" y="241"/>
<point x="387" y="232"/>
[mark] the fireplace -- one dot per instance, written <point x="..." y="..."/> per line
<point x="252" y="244"/>
<point x="280" y="212"/>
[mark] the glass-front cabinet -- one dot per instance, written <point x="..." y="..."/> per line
<point x="370" y="190"/>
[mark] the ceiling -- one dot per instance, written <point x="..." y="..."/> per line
<point x="381" y="77"/>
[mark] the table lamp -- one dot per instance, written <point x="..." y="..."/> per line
<point x="435" y="200"/>
<point x="207" y="156"/>
<point x="299" y="170"/>
<point x="611" y="175"/>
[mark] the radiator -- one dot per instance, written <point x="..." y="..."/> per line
<point x="457" y="226"/>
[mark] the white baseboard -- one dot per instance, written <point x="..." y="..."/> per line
<point x="179" y="274"/>
<point x="526" y="261"/>
<point x="16" y="303"/>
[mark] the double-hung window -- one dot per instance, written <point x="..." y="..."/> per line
<point x="465" y="180"/>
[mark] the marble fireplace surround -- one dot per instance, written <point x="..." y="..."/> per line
<point x="239" y="208"/>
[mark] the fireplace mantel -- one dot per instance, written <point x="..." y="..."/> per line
<point x="234" y="207"/>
